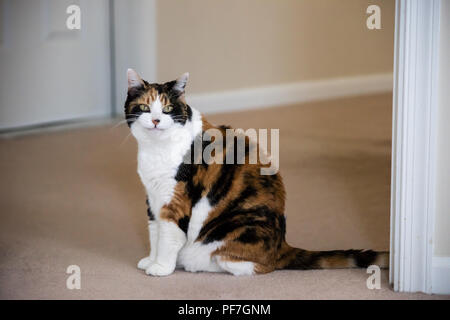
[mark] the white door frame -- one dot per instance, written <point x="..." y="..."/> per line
<point x="134" y="29"/>
<point x="413" y="144"/>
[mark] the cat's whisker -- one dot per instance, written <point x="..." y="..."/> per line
<point x="124" y="121"/>
<point x="119" y="123"/>
<point x="125" y="140"/>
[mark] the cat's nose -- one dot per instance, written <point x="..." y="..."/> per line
<point x="156" y="121"/>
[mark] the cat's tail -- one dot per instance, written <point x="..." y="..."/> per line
<point x="295" y="258"/>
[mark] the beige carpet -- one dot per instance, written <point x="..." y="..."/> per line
<point x="73" y="197"/>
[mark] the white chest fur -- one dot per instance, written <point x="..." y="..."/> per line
<point x="157" y="174"/>
<point x="159" y="156"/>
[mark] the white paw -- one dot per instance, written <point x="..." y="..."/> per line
<point x="156" y="269"/>
<point x="144" y="263"/>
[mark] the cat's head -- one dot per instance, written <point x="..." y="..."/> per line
<point x="154" y="109"/>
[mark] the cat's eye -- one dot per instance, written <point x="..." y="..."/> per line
<point x="167" y="109"/>
<point x="144" y="107"/>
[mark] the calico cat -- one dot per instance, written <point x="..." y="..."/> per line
<point x="210" y="216"/>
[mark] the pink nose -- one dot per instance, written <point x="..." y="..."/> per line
<point x="156" y="121"/>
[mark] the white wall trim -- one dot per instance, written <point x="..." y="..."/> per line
<point x="413" y="144"/>
<point x="440" y="278"/>
<point x="290" y="93"/>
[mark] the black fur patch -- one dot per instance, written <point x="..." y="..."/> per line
<point x="183" y="223"/>
<point x="223" y="184"/>
<point x="189" y="168"/>
<point x="189" y="112"/>
<point x="311" y="260"/>
<point x="303" y="261"/>
<point x="248" y="236"/>
<point x="364" y="259"/>
<point x="150" y="214"/>
<point x="133" y="94"/>
<point x="186" y="174"/>
<point x="194" y="192"/>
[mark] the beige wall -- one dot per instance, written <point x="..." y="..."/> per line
<point x="442" y="229"/>
<point x="230" y="44"/>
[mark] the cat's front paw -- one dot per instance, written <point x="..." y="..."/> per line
<point x="144" y="263"/>
<point x="159" y="270"/>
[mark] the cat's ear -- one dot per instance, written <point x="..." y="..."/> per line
<point x="134" y="80"/>
<point x="180" y="83"/>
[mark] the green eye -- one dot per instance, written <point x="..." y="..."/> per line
<point x="167" y="109"/>
<point x="144" y="107"/>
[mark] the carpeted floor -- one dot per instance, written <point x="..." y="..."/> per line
<point x="74" y="197"/>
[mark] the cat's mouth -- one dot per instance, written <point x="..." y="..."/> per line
<point x="148" y="128"/>
<point x="154" y="129"/>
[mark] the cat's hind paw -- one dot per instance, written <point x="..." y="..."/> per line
<point x="159" y="270"/>
<point x="144" y="263"/>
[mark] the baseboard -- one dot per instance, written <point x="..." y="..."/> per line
<point x="290" y="93"/>
<point x="440" y="278"/>
<point x="57" y="126"/>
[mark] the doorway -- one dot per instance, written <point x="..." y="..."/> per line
<point x="49" y="73"/>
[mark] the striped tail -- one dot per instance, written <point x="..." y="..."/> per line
<point x="295" y="258"/>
